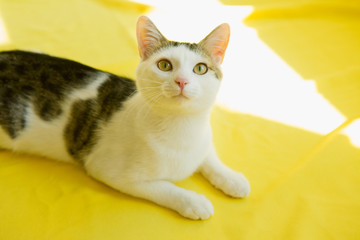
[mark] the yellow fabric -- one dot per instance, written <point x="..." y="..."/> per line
<point x="304" y="185"/>
<point x="100" y="33"/>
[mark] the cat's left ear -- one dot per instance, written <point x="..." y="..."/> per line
<point x="148" y="37"/>
<point x="216" y="42"/>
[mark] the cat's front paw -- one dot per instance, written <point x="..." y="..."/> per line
<point x="233" y="184"/>
<point x="195" y="206"/>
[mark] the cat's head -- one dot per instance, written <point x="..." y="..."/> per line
<point x="179" y="76"/>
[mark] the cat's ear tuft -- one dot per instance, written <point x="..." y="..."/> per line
<point x="216" y="42"/>
<point x="148" y="37"/>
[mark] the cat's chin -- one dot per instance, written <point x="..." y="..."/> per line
<point x="176" y="103"/>
<point x="177" y="97"/>
<point x="181" y="100"/>
<point x="181" y="97"/>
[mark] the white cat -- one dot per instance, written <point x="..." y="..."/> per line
<point x="135" y="138"/>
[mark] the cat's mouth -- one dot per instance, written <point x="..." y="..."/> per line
<point x="177" y="95"/>
<point x="181" y="96"/>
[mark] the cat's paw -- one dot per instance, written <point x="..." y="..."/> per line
<point x="195" y="206"/>
<point x="233" y="184"/>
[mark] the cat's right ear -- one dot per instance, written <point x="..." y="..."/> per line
<point x="216" y="42"/>
<point x="148" y="37"/>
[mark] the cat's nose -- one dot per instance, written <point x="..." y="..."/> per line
<point x="181" y="82"/>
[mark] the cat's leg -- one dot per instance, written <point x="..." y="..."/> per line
<point x="222" y="177"/>
<point x="188" y="203"/>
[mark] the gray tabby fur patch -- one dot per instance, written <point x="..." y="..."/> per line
<point x="45" y="82"/>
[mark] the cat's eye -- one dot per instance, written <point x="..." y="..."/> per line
<point x="164" y="65"/>
<point x="200" y="69"/>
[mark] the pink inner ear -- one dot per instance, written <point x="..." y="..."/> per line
<point x="148" y="36"/>
<point x="217" y="41"/>
<point x="140" y="28"/>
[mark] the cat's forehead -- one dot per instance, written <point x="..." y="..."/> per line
<point x="183" y="52"/>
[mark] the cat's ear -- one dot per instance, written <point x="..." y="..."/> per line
<point x="216" y="42"/>
<point x="148" y="37"/>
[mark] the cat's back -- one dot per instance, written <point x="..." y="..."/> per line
<point x="28" y="72"/>
<point x="53" y="106"/>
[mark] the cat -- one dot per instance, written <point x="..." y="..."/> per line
<point x="135" y="136"/>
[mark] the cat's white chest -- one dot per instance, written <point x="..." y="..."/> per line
<point x="143" y="146"/>
<point x="177" y="154"/>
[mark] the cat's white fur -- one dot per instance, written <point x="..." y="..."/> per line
<point x="167" y="136"/>
<point x="46" y="138"/>
<point x="160" y="136"/>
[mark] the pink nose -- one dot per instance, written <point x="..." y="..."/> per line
<point x="181" y="82"/>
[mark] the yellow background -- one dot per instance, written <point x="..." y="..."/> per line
<point x="304" y="185"/>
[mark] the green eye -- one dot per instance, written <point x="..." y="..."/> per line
<point x="164" y="65"/>
<point x="200" y="69"/>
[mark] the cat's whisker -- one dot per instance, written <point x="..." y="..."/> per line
<point x="156" y="99"/>
<point x="131" y="107"/>
<point x="153" y="99"/>
<point x="152" y="81"/>
<point x="157" y="85"/>
<point x="150" y="88"/>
